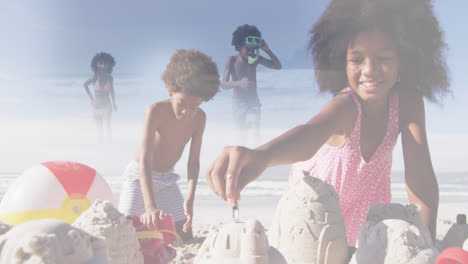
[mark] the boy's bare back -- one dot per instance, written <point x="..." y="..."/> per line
<point x="171" y="135"/>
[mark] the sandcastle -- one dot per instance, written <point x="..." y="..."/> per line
<point x="100" y="235"/>
<point x="394" y="234"/>
<point x="237" y="242"/>
<point x="51" y="241"/>
<point x="103" y="220"/>
<point x="308" y="225"/>
<point x="410" y="213"/>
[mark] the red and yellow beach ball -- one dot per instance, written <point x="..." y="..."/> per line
<point x="57" y="189"/>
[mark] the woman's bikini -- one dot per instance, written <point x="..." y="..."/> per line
<point x="102" y="103"/>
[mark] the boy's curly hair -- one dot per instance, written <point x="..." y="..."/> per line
<point x="193" y="72"/>
<point x="411" y="24"/>
<point x="239" y="35"/>
<point x="104" y="57"/>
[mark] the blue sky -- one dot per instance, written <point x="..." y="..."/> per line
<point x="61" y="36"/>
<point x="140" y="31"/>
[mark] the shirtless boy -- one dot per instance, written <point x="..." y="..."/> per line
<point x="240" y="75"/>
<point x="150" y="186"/>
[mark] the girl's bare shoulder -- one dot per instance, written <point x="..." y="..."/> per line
<point x="411" y="106"/>
<point x="343" y="107"/>
<point x="347" y="110"/>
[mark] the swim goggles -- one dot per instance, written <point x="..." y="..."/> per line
<point x="100" y="64"/>
<point x="253" y="41"/>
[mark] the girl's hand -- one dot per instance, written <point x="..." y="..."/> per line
<point x="151" y="216"/>
<point x="264" y="46"/>
<point x="234" y="168"/>
<point x="188" y="206"/>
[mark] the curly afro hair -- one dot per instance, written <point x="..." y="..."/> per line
<point x="411" y="24"/>
<point x="104" y="57"/>
<point x="239" y="35"/>
<point x="193" y="72"/>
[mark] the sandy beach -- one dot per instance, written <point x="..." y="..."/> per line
<point x="28" y="140"/>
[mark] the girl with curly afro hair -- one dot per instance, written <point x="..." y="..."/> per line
<point x="103" y="101"/>
<point x="380" y="59"/>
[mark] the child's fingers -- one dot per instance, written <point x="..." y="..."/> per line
<point x="187" y="223"/>
<point x="149" y="221"/>
<point x="218" y="175"/>
<point x="154" y="221"/>
<point x="232" y="175"/>
<point x="161" y="214"/>
<point x="186" y="227"/>
<point x="209" y="180"/>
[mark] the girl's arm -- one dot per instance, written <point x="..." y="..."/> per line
<point x="421" y="182"/>
<point x="86" y="86"/>
<point x="193" y="168"/>
<point x="302" y="142"/>
<point x="112" y="93"/>
<point x="146" y="157"/>
<point x="237" y="166"/>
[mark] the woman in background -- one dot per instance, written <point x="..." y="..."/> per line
<point x="104" y="99"/>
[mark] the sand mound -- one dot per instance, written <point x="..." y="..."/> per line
<point x="187" y="252"/>
<point x="394" y="234"/>
<point x="410" y="213"/>
<point x="235" y="243"/>
<point x="102" y="219"/>
<point x="4" y="228"/>
<point x="50" y="241"/>
<point x="308" y="225"/>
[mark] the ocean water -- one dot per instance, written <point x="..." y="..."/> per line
<point x="49" y="118"/>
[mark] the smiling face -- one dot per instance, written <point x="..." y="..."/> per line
<point x="372" y="65"/>
<point x="185" y="105"/>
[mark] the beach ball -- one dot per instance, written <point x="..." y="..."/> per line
<point x="56" y="189"/>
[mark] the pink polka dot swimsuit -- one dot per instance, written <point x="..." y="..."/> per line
<point x="359" y="183"/>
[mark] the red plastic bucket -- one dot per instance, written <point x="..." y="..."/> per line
<point x="153" y="243"/>
<point x="167" y="227"/>
<point x="453" y="255"/>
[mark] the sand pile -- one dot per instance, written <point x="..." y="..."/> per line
<point x="102" y="219"/>
<point x="50" y="241"/>
<point x="394" y="234"/>
<point x="186" y="253"/>
<point x="410" y="213"/>
<point x="308" y="225"/>
<point x="4" y="228"/>
<point x="237" y="242"/>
